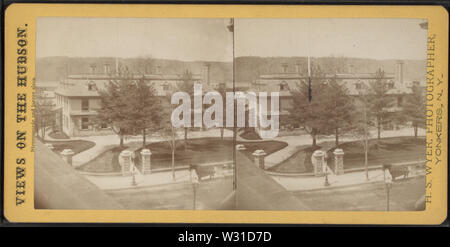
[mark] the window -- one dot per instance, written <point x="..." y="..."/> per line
<point x="103" y="125"/>
<point x="84" y="123"/>
<point x="358" y="85"/>
<point x="91" y="86"/>
<point x="400" y="101"/>
<point x="85" y="104"/>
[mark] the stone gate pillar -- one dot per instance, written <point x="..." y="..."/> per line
<point x="338" y="161"/>
<point x="50" y="146"/>
<point x="125" y="162"/>
<point x="259" y="158"/>
<point x="318" y="161"/>
<point x="146" y="158"/>
<point x="240" y="147"/>
<point x="67" y="155"/>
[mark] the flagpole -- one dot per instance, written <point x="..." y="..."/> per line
<point x="309" y="65"/>
<point x="309" y="80"/>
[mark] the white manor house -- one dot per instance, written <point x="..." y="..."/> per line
<point x="77" y="98"/>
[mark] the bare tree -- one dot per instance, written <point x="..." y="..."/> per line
<point x="187" y="86"/>
<point x="44" y="117"/>
<point x="167" y="131"/>
<point x="414" y="109"/>
<point x="360" y="127"/>
<point x="114" y="108"/>
<point x="378" y="100"/>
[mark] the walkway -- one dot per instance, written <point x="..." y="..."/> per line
<point x="258" y="191"/>
<point x="335" y="181"/>
<point x="106" y="142"/>
<point x="295" y="142"/>
<point x="145" y="180"/>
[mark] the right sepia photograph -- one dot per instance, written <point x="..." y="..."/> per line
<point x="230" y="114"/>
<point x="351" y="114"/>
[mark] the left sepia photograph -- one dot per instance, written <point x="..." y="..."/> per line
<point x="102" y="114"/>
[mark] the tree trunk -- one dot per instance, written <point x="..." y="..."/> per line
<point x="173" y="163"/>
<point x="185" y="137"/>
<point x="143" y="138"/>
<point x="415" y="131"/>
<point x="366" y="163"/>
<point x="221" y="132"/>
<point x="314" y="139"/>
<point x="121" y="141"/>
<point x="174" y="146"/>
<point x="337" y="137"/>
<point x="379" y="129"/>
<point x="43" y="133"/>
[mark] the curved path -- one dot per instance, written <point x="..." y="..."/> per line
<point x="104" y="143"/>
<point x="295" y="142"/>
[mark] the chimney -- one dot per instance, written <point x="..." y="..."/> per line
<point x="106" y="66"/>
<point x="117" y="65"/>
<point x="284" y="66"/>
<point x="93" y="67"/>
<point x="297" y="68"/>
<point x="350" y="69"/>
<point x="399" y="71"/>
<point x="206" y="76"/>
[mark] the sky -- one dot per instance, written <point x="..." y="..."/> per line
<point x="361" y="38"/>
<point x="181" y="39"/>
<point x="209" y="39"/>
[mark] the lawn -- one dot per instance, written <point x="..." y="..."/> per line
<point x="268" y="146"/>
<point x="300" y="162"/>
<point x="390" y="150"/>
<point x="198" y="151"/>
<point x="105" y="162"/>
<point x="77" y="146"/>
<point x="58" y="135"/>
<point x="250" y="135"/>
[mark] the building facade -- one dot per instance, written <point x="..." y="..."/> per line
<point x="287" y="82"/>
<point x="78" y="98"/>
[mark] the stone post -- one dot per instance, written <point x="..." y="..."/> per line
<point x="338" y="161"/>
<point x="318" y="161"/>
<point x="50" y="146"/>
<point x="146" y="157"/>
<point x="259" y="158"/>
<point x="240" y="147"/>
<point x="125" y="162"/>
<point x="67" y="155"/>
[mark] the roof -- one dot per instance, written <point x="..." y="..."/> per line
<point x="258" y="191"/>
<point x="296" y="76"/>
<point x="77" y="85"/>
<point x="146" y="76"/>
<point x="273" y="85"/>
<point x="46" y="84"/>
<point x="77" y="90"/>
<point x="59" y="186"/>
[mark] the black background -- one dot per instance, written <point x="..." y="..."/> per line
<point x="167" y="234"/>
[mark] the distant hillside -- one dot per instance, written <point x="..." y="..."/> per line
<point x="50" y="69"/>
<point x="248" y="68"/>
<point x="55" y="68"/>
